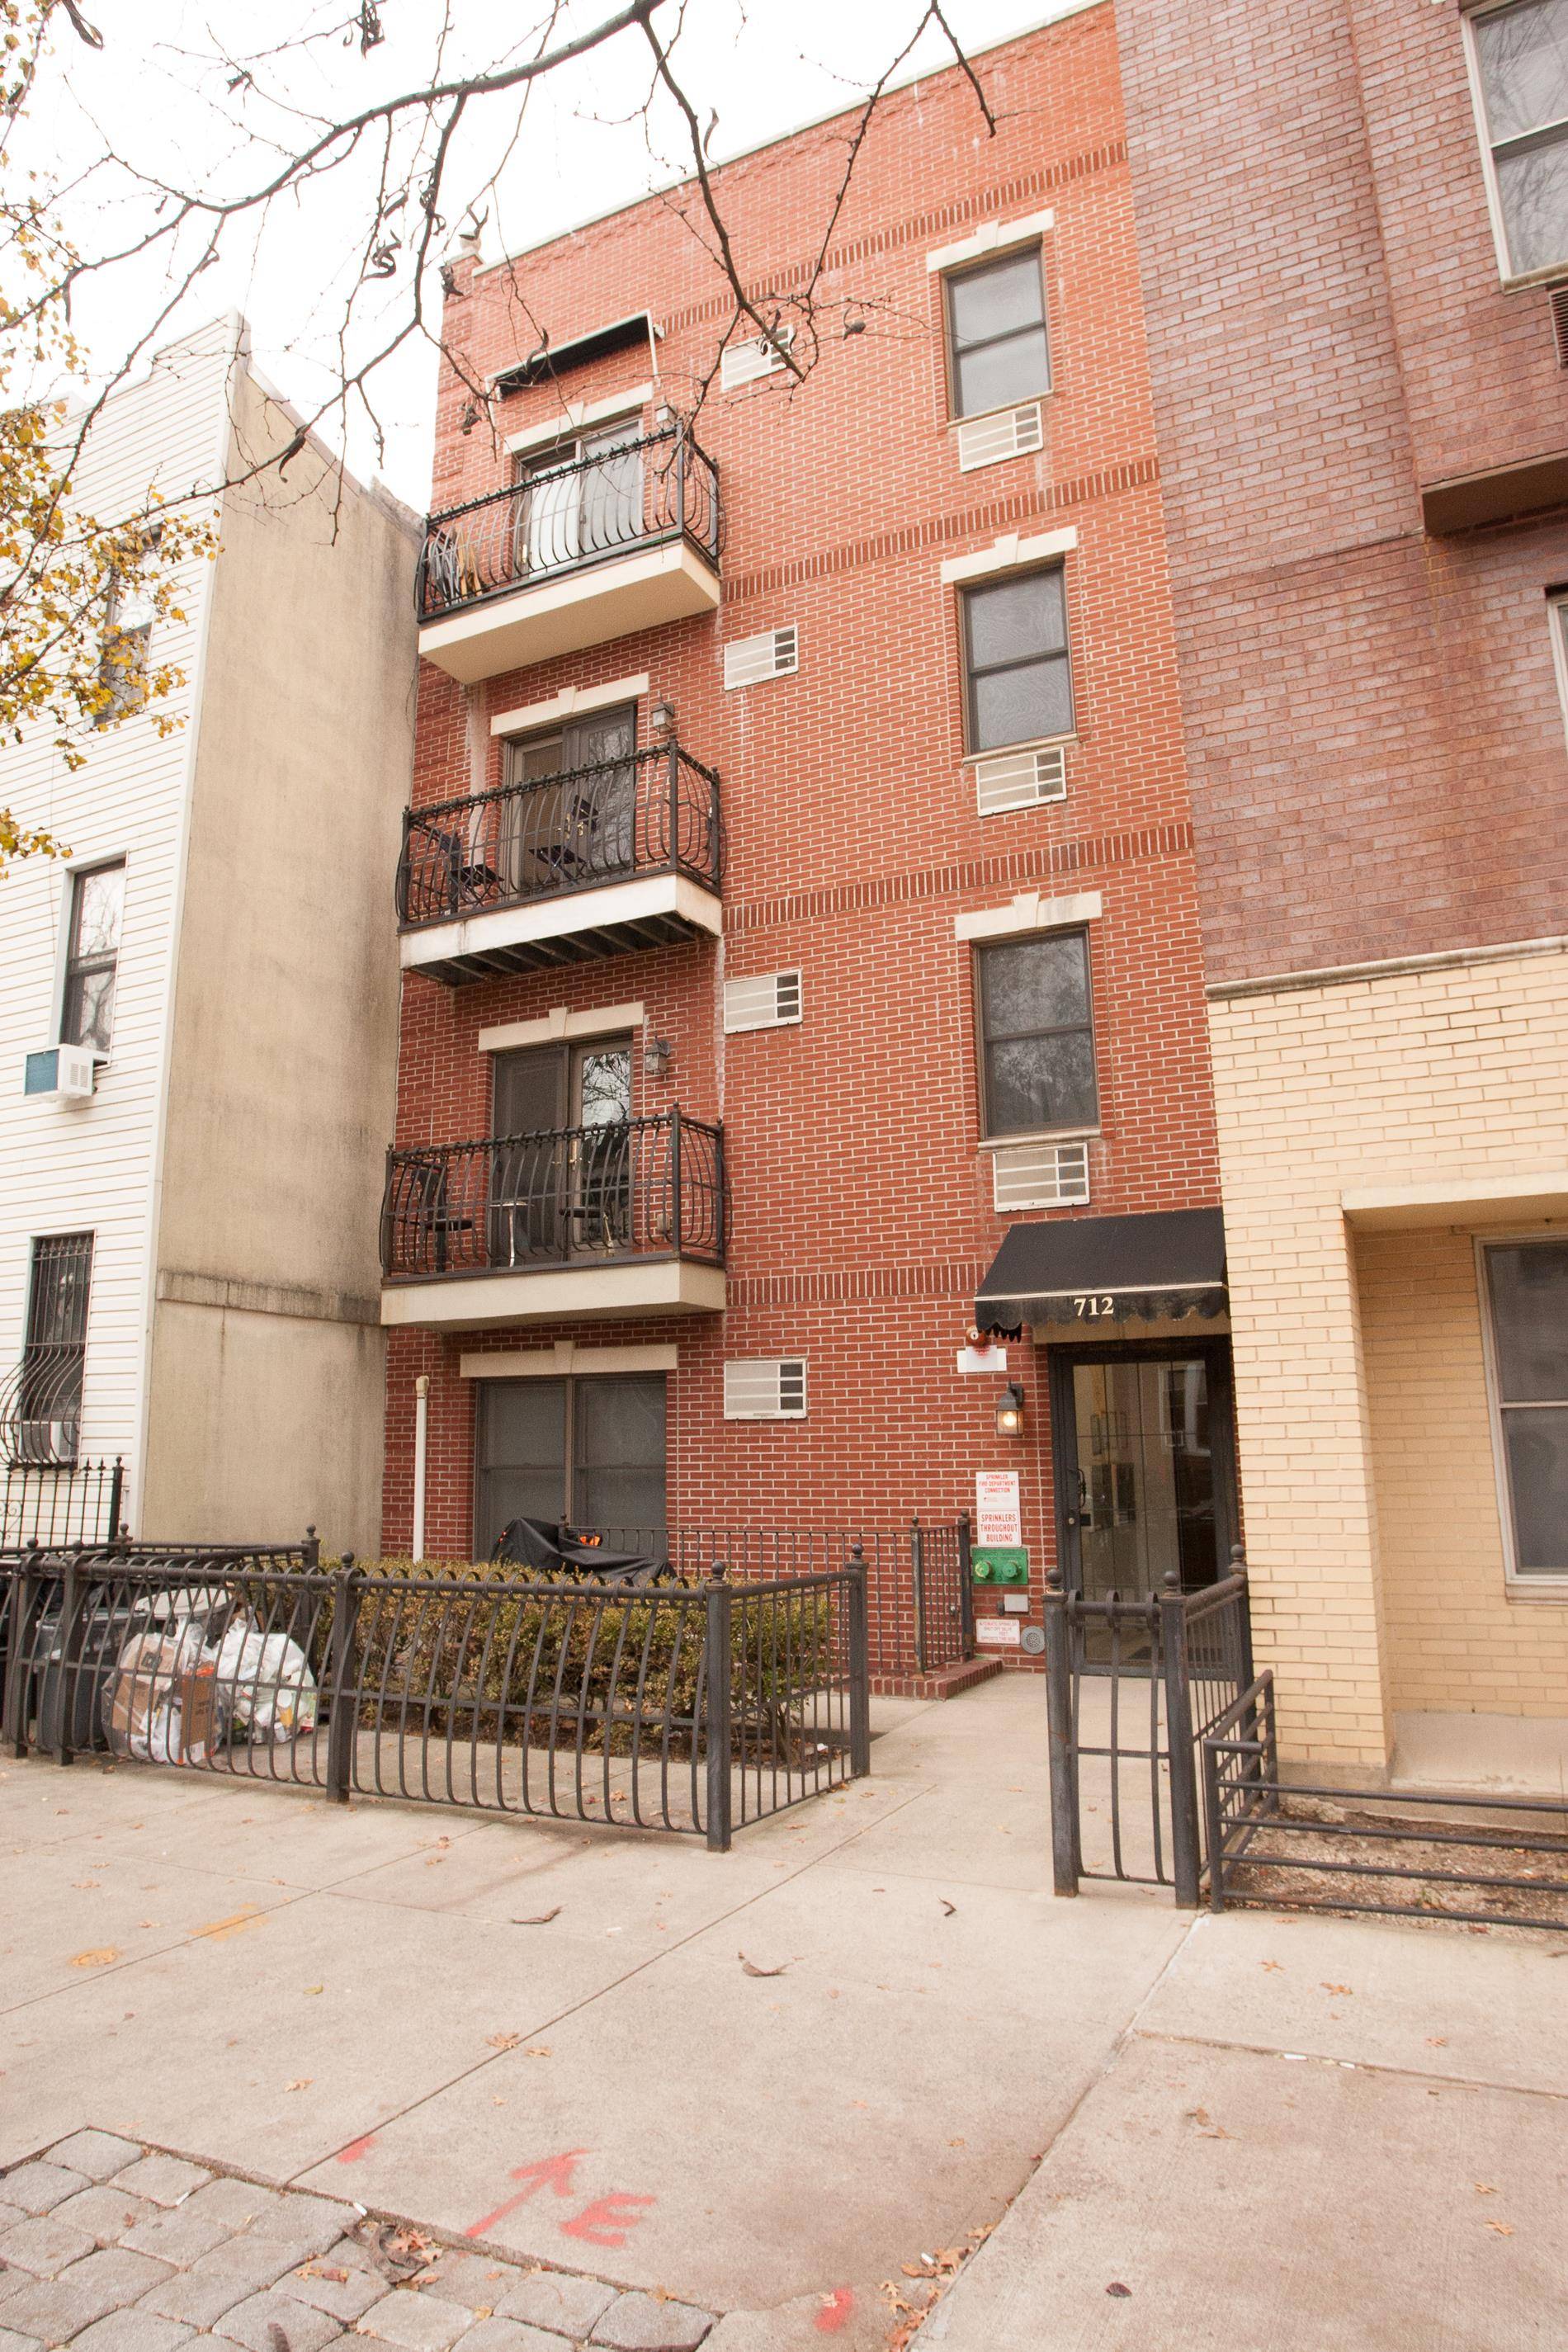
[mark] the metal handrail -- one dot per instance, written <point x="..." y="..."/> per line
<point x="563" y="518"/>
<point x="653" y="812"/>
<point x="640" y="1187"/>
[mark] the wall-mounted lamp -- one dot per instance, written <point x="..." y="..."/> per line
<point x="661" y="716"/>
<point x="1010" y="1410"/>
<point x="657" y="1055"/>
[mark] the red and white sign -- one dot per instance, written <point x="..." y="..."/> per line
<point x="997" y="1517"/>
<point x="998" y="1633"/>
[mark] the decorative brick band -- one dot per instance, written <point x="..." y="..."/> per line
<point x="1055" y="858"/>
<point x="837" y="1285"/>
<point x="917" y="229"/>
<point x="940" y="530"/>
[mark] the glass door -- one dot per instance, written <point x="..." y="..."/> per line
<point x="1145" y="1474"/>
<point x="602" y="1173"/>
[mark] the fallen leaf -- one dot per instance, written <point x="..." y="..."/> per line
<point x="542" y="1921"/>
<point x="1116" y="2287"/>
<point x="323" y="2271"/>
<point x="485" y="2311"/>
<point x="99" y="1960"/>
<point x="84" y="1886"/>
<point x="1486" y="2189"/>
<point x="315" y="1988"/>
<point x="537" y="2050"/>
<point x="1337" y="1988"/>
<point x="753" y="1970"/>
<point x="1500" y="2228"/>
<point x="303" y="2084"/>
<point x="1437" y="2041"/>
<point x="958" y="2143"/>
<point x="949" y="1908"/>
<point x="502" y="2041"/>
<point x="1273" y="1965"/>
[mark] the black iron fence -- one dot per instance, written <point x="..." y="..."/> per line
<point x="568" y="514"/>
<point x="1133" y="1685"/>
<point x="1398" y="1854"/>
<point x="43" y="1505"/>
<point x="638" y="1188"/>
<point x="919" y="1600"/>
<point x="692" y="1706"/>
<point x="654" y="812"/>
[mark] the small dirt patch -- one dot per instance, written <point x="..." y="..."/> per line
<point x="1453" y="1868"/>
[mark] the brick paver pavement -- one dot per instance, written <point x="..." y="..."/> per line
<point x="107" y="2245"/>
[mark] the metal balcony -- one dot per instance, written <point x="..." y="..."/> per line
<point x="577" y="553"/>
<point x="624" y="1218"/>
<point x="592" y="862"/>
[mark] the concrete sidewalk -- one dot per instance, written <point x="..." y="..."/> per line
<point x="545" y="2042"/>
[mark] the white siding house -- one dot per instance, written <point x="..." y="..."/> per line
<point x="227" y="1163"/>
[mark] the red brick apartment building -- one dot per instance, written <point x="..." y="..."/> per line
<point x="798" y="912"/>
<point x="1353" y="225"/>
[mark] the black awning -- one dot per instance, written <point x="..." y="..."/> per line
<point x="1094" y="1271"/>
<point x="558" y="359"/>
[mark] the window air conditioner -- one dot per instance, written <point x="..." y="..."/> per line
<point x="62" y="1073"/>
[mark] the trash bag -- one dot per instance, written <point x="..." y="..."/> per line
<point x="266" y="1683"/>
<point x="162" y="1705"/>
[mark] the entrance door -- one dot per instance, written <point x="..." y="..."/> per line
<point x="1145" y="1465"/>
<point x="573" y="822"/>
<point x="559" y="1168"/>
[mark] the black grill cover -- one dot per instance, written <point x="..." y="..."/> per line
<point x="559" y="1554"/>
<point x="1092" y="1272"/>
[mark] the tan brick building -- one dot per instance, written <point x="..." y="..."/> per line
<point x="1357" y="349"/>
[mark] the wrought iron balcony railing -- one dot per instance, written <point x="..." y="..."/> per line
<point x="633" y="1189"/>
<point x="656" y="812"/>
<point x="658" y="488"/>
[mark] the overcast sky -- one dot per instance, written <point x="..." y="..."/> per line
<point x="154" y="99"/>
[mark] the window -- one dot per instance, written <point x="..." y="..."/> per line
<point x="580" y="499"/>
<point x="45" y="1417"/>
<point x="1526" y="1289"/>
<point x="570" y="814"/>
<point x="1521" y="66"/>
<point x="996" y="333"/>
<point x="1037" y="1037"/>
<point x="1018" y="680"/>
<point x="128" y="636"/>
<point x="97" y="900"/>
<point x="588" y="1451"/>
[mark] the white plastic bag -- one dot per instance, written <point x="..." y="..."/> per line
<point x="266" y="1682"/>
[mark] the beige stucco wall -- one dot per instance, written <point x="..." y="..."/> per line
<point x="1450" y="1078"/>
<point x="266" y="1395"/>
<point x="1458" y="1641"/>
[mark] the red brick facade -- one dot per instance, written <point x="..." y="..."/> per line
<point x="861" y="1204"/>
<point x="1374" y="733"/>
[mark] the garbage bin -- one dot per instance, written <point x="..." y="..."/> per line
<point x="67" y="1702"/>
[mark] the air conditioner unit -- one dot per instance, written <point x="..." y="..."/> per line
<point x="62" y="1073"/>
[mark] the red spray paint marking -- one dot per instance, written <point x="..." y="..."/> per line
<point x="835" y="2310"/>
<point x="602" y="2224"/>
<point x="356" y="2148"/>
<point x="555" y="2171"/>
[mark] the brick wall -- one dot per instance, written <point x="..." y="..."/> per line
<point x="861" y="1203"/>
<point x="1454" y="1075"/>
<point x="1373" y="732"/>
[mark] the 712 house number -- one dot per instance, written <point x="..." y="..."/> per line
<point x="1094" y="1307"/>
